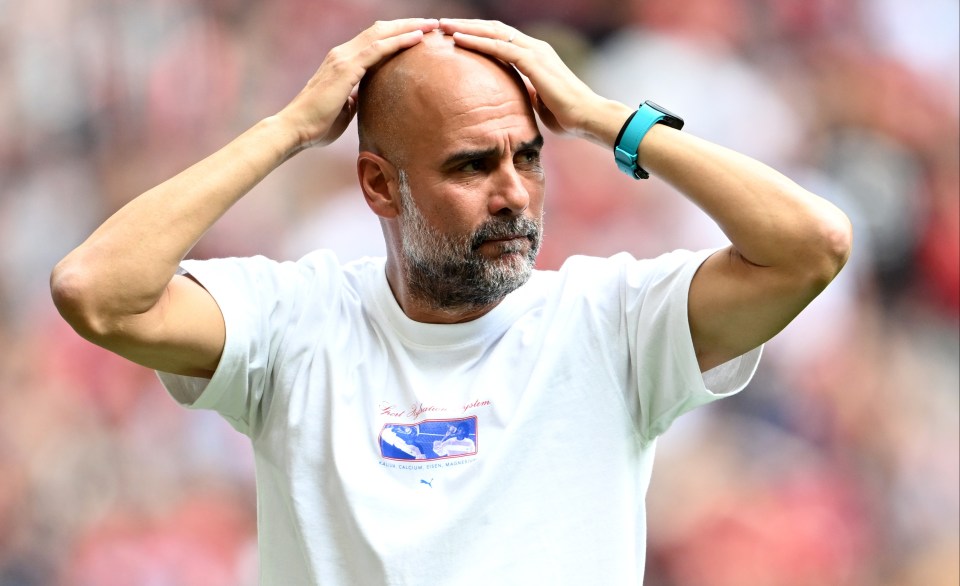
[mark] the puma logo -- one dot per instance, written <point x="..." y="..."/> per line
<point x="430" y="484"/>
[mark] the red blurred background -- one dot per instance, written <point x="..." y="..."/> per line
<point x="837" y="467"/>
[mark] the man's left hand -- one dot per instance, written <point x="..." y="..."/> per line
<point x="564" y="103"/>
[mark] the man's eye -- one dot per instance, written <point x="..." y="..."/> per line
<point x="531" y="157"/>
<point x="473" y="166"/>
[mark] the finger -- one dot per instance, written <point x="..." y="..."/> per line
<point x="386" y="37"/>
<point x="455" y="24"/>
<point x="391" y="28"/>
<point x="483" y="28"/>
<point x="499" y="48"/>
<point x="376" y="50"/>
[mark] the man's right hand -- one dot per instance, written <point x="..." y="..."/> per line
<point x="323" y="109"/>
<point x="119" y="288"/>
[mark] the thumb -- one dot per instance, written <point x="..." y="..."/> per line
<point x="546" y="116"/>
<point x="347" y="112"/>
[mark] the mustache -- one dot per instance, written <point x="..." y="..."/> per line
<point x="494" y="229"/>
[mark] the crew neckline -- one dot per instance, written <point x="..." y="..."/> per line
<point x="454" y="335"/>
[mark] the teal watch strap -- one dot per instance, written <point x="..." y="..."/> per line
<point x="633" y="131"/>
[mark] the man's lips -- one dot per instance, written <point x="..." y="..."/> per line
<point x="507" y="232"/>
<point x="511" y="240"/>
<point x="507" y="238"/>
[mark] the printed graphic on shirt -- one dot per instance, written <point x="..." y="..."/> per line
<point x="417" y="409"/>
<point x="430" y="439"/>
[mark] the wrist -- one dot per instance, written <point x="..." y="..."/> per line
<point x="626" y="150"/>
<point x="282" y="134"/>
<point x="603" y="122"/>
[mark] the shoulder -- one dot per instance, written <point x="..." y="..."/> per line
<point x="587" y="272"/>
<point x="621" y="283"/>
<point x="317" y="264"/>
<point x="245" y="287"/>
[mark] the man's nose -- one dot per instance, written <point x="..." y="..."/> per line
<point x="510" y="196"/>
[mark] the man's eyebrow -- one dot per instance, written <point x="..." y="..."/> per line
<point x="535" y="144"/>
<point x="459" y="157"/>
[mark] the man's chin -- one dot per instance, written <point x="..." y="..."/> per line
<point x="512" y="269"/>
<point x="487" y="281"/>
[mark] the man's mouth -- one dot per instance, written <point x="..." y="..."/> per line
<point x="507" y="233"/>
<point x="506" y="238"/>
<point x="508" y="244"/>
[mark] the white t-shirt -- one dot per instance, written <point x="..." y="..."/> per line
<point x="512" y="449"/>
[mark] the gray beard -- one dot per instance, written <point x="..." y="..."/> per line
<point x="448" y="273"/>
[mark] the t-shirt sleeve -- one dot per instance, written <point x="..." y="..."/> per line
<point x="668" y="378"/>
<point x="260" y="300"/>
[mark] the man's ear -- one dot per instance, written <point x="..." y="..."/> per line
<point x="379" y="180"/>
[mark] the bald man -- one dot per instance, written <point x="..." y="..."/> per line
<point x="561" y="380"/>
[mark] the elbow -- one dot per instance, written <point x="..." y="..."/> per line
<point x="75" y="297"/>
<point x="833" y="245"/>
<point x="839" y="242"/>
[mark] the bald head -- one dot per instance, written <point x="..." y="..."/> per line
<point x="422" y="88"/>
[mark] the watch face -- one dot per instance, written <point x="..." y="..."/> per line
<point x="671" y="120"/>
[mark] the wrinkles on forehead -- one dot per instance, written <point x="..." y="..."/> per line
<point x="425" y="88"/>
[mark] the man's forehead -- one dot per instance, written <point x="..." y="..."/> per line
<point x="491" y="122"/>
<point x="459" y="86"/>
<point x="436" y="94"/>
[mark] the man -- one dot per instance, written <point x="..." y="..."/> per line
<point x="456" y="442"/>
<point x="314" y="359"/>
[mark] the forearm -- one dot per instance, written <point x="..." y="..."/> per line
<point x="770" y="220"/>
<point x="124" y="267"/>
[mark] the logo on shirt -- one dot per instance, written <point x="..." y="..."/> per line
<point x="430" y="439"/>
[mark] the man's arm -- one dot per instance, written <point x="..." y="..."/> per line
<point x="787" y="244"/>
<point x="119" y="288"/>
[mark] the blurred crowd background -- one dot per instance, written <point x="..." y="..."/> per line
<point x="839" y="466"/>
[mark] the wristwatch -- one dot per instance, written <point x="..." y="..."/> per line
<point x="633" y="131"/>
